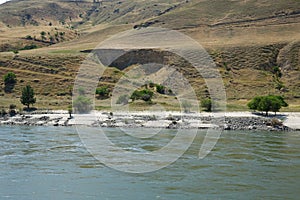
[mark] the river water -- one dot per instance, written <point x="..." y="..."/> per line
<point x="52" y="163"/>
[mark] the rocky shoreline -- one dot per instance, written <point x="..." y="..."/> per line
<point x="168" y="120"/>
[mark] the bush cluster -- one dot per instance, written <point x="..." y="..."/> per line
<point x="206" y="104"/>
<point x="102" y="92"/>
<point x="145" y="95"/>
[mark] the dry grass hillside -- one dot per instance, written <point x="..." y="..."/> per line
<point x="247" y="40"/>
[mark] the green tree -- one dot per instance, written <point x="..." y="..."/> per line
<point x="267" y="103"/>
<point x="10" y="78"/>
<point x="206" y="104"/>
<point x="277" y="103"/>
<point x="282" y="101"/>
<point x="253" y="104"/>
<point x="27" y="97"/>
<point x="103" y="92"/>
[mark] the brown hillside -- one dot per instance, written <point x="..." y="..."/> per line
<point x="247" y="39"/>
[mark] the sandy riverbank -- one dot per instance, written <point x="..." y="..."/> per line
<point x="173" y="120"/>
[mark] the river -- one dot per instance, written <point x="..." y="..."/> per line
<point x="52" y="163"/>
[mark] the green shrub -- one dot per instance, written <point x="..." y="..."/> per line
<point x="160" y="89"/>
<point x="206" y="104"/>
<point x="145" y="95"/>
<point x="28" y="47"/>
<point x="28" y="37"/>
<point x="103" y="92"/>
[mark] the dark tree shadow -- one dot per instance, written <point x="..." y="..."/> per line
<point x="31" y="109"/>
<point x="8" y="88"/>
<point x="270" y="115"/>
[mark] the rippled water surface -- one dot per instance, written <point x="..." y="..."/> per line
<point x="52" y="163"/>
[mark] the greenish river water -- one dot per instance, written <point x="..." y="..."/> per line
<point x="52" y="163"/>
